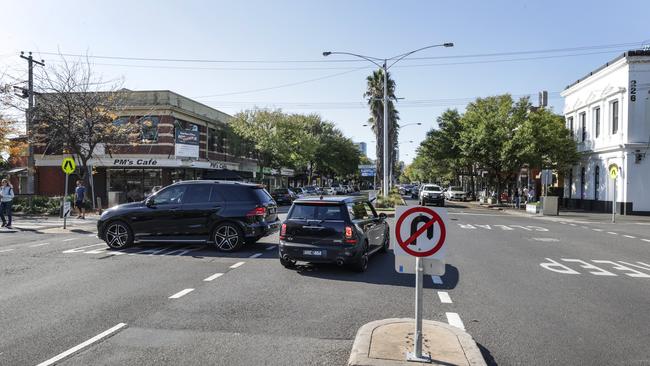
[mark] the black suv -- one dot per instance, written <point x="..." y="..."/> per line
<point x="341" y="230"/>
<point x="224" y="214"/>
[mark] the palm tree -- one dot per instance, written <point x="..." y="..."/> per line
<point x="375" y="95"/>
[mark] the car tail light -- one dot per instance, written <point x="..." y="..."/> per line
<point x="257" y="211"/>
<point x="283" y="231"/>
<point x="349" y="235"/>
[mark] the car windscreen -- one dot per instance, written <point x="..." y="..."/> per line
<point x="306" y="211"/>
<point x="431" y="188"/>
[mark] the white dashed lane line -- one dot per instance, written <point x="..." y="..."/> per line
<point x="38" y="245"/>
<point x="213" y="277"/>
<point x="81" y="249"/>
<point x="646" y="240"/>
<point x="444" y="297"/>
<point x="454" y="320"/>
<point x="630" y="236"/>
<point x="80" y="346"/>
<point x="599" y="230"/>
<point x="573" y="224"/>
<point x="255" y="255"/>
<point x="181" y="293"/>
<point x="612" y="233"/>
<point x="271" y="247"/>
<point x="69" y="239"/>
<point x="6" y="250"/>
<point x="238" y="264"/>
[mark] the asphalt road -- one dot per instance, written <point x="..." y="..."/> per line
<point x="518" y="285"/>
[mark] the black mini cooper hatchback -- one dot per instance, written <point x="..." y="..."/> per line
<point x="341" y="230"/>
<point x="224" y="214"/>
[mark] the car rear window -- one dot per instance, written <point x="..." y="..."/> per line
<point x="281" y="191"/>
<point x="306" y="211"/>
<point x="432" y="188"/>
<point x="262" y="195"/>
<point x="242" y="193"/>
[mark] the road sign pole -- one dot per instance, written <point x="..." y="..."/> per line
<point x="417" y="355"/>
<point x="65" y="197"/>
<point x="614" y="204"/>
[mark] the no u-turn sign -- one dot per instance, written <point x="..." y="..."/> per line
<point x="420" y="232"/>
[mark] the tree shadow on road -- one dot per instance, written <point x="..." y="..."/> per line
<point x="381" y="271"/>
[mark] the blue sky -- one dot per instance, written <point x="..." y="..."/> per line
<point x="302" y="30"/>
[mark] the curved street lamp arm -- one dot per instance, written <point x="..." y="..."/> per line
<point x="404" y="55"/>
<point x="367" y="58"/>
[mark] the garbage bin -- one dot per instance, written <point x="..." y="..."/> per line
<point x="550" y="206"/>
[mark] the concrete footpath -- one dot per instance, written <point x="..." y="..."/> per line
<point x="44" y="223"/>
<point x="386" y="343"/>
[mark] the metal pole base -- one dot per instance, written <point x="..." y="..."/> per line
<point x="410" y="356"/>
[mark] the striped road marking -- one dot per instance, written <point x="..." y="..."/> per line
<point x="454" y="320"/>
<point x="181" y="293"/>
<point x="444" y="297"/>
<point x="213" y="277"/>
<point x="238" y="264"/>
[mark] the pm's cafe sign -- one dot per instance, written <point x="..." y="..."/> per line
<point x="147" y="163"/>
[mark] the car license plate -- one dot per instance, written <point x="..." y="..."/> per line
<point x="316" y="253"/>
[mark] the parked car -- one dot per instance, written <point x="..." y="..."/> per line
<point x="223" y="214"/>
<point x="415" y="191"/>
<point x="338" y="188"/>
<point x="431" y="193"/>
<point x="341" y="230"/>
<point x="283" y="196"/>
<point x="329" y="191"/>
<point x="455" y="193"/>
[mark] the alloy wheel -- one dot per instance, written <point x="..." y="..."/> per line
<point x="117" y="235"/>
<point x="226" y="238"/>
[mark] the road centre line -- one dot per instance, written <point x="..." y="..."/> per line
<point x="70" y="239"/>
<point x="630" y="236"/>
<point x="7" y="250"/>
<point x="646" y="240"/>
<point x="599" y="230"/>
<point x="612" y="233"/>
<point x="213" y="277"/>
<point x="444" y="297"/>
<point x="181" y="293"/>
<point x="38" y="245"/>
<point x="437" y="280"/>
<point x="78" y="347"/>
<point x="255" y="255"/>
<point x="238" y="264"/>
<point x="454" y="320"/>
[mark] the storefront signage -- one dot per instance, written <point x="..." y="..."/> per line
<point x="187" y="143"/>
<point x="135" y="162"/>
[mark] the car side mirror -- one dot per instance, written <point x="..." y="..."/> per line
<point x="149" y="202"/>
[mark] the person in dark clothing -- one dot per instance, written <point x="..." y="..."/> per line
<point x="79" y="195"/>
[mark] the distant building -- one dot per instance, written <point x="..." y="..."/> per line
<point x="608" y="113"/>
<point x="363" y="148"/>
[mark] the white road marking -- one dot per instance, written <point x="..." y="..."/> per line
<point x="213" y="277"/>
<point x="181" y="293"/>
<point x="573" y="224"/>
<point x="437" y="280"/>
<point x="38" y="245"/>
<point x="271" y="247"/>
<point x="599" y="230"/>
<point x="584" y="227"/>
<point x="255" y="255"/>
<point x="546" y="239"/>
<point x="444" y="297"/>
<point x="78" y="347"/>
<point x="77" y="250"/>
<point x="238" y="264"/>
<point x="646" y="240"/>
<point x="70" y="239"/>
<point x="97" y="251"/>
<point x="630" y="236"/>
<point x="562" y="222"/>
<point x="150" y="251"/>
<point x="612" y="233"/>
<point x="454" y="320"/>
<point x="6" y="250"/>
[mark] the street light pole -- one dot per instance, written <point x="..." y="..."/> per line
<point x="385" y="66"/>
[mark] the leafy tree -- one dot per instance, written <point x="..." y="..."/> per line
<point x="262" y="127"/>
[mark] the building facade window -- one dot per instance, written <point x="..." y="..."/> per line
<point x="596" y="182"/>
<point x="570" y="183"/>
<point x="212" y="139"/>
<point x="614" y="117"/>
<point x="149" y="128"/>
<point x="571" y="125"/>
<point x="583" y="126"/>
<point x="597" y="121"/>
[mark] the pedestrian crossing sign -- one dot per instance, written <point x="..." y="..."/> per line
<point x="68" y="165"/>
<point x="613" y="171"/>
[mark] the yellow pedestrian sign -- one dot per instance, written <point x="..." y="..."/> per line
<point x="613" y="171"/>
<point x="68" y="165"/>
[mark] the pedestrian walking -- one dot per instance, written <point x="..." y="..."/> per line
<point x="79" y="195"/>
<point x="6" y="202"/>
<point x="531" y="192"/>
<point x="525" y="195"/>
<point x="516" y="198"/>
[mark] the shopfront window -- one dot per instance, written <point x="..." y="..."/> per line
<point x="133" y="185"/>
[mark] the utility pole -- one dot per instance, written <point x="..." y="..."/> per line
<point x="29" y="117"/>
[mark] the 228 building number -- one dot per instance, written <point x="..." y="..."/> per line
<point x="633" y="90"/>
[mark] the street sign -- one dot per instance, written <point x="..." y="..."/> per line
<point x="66" y="209"/>
<point x="420" y="231"/>
<point x="420" y="234"/>
<point x="68" y="165"/>
<point x="613" y="171"/>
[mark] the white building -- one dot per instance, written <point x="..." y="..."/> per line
<point x="608" y="112"/>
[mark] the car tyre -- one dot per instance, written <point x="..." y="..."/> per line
<point x="118" y="235"/>
<point x="362" y="264"/>
<point x="228" y="237"/>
